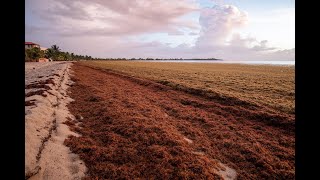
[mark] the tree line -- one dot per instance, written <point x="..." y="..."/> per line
<point x="54" y="53"/>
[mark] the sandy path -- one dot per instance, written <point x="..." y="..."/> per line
<point x="135" y="128"/>
<point x="45" y="112"/>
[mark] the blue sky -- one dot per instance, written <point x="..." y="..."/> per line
<point x="279" y="33"/>
<point x="234" y="29"/>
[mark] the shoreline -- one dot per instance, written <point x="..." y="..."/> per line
<point x="46" y="157"/>
<point x="99" y="122"/>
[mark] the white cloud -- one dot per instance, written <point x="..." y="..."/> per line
<point x="103" y="29"/>
<point x="114" y="17"/>
<point x="263" y="46"/>
<point x="275" y="25"/>
<point x="193" y="34"/>
<point x="218" y="22"/>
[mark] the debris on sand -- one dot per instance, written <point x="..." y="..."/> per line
<point x="136" y="128"/>
<point x="46" y="157"/>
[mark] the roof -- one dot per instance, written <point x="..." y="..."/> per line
<point x="30" y="43"/>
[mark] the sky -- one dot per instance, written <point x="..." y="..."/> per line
<point x="224" y="29"/>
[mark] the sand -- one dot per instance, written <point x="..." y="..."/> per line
<point x="46" y="157"/>
<point x="135" y="128"/>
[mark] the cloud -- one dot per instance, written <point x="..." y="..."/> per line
<point x="238" y="41"/>
<point x="284" y="55"/>
<point x="193" y="33"/>
<point x="219" y="2"/>
<point x="175" y="33"/>
<point x="69" y="9"/>
<point x="103" y="29"/>
<point x="218" y="22"/>
<point x="114" y="17"/>
<point x="263" y="46"/>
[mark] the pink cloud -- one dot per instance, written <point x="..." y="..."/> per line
<point x="102" y="28"/>
<point x="218" y="22"/>
<point x="117" y="17"/>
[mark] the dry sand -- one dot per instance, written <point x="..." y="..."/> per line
<point x="46" y="157"/>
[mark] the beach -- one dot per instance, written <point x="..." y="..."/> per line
<point x="137" y="120"/>
<point x="45" y="112"/>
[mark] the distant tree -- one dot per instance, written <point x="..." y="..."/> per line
<point x="60" y="57"/>
<point x="65" y="56"/>
<point x="55" y="53"/>
<point x="55" y="48"/>
<point x="49" y="53"/>
<point x="42" y="54"/>
<point x="33" y="54"/>
<point x="72" y="56"/>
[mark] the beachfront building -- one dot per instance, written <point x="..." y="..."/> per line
<point x="28" y="45"/>
<point x="43" y="48"/>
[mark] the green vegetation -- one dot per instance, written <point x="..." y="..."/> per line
<point x="53" y="53"/>
<point x="33" y="54"/>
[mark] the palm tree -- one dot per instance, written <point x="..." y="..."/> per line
<point x="72" y="56"/>
<point x="55" y="48"/>
<point x="50" y="53"/>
